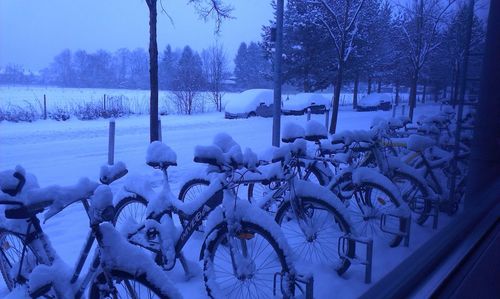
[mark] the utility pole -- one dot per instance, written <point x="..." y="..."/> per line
<point x="277" y="73"/>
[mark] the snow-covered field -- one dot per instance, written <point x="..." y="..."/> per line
<point x="62" y="152"/>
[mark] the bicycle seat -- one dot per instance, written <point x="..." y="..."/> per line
<point x="418" y="143"/>
<point x="12" y="182"/>
<point x="292" y="132"/>
<point x="211" y="155"/>
<point x="27" y="211"/>
<point x="315" y="131"/>
<point x="161" y="156"/>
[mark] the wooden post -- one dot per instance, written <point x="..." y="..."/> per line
<point x="403" y="110"/>
<point x="394" y="110"/>
<point x="111" y="143"/>
<point x="159" y="130"/>
<point x="308" y="114"/>
<point x="44" y="107"/>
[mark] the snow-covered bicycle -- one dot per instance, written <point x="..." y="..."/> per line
<point x="32" y="268"/>
<point x="244" y="249"/>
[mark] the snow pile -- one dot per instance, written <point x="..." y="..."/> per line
<point x="58" y="275"/>
<point x="316" y="130"/>
<point x="160" y="153"/>
<point x="118" y="254"/>
<point x="224" y="141"/>
<point x="292" y="131"/>
<point x="250" y="159"/>
<point x="419" y="143"/>
<point x="59" y="197"/>
<point x="249" y="100"/>
<point x="101" y="205"/>
<point x="210" y="154"/>
<point x="110" y="173"/>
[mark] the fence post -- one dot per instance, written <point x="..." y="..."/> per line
<point x="403" y="110"/>
<point x="159" y="130"/>
<point x="308" y="114"/>
<point x="394" y="111"/>
<point x="44" y="107"/>
<point x="111" y="143"/>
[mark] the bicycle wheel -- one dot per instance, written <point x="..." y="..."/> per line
<point x="414" y="194"/>
<point x="370" y="202"/>
<point x="192" y="189"/>
<point x="130" y="210"/>
<point x="126" y="285"/>
<point x="11" y="247"/>
<point x="258" y="256"/>
<point x="315" y="240"/>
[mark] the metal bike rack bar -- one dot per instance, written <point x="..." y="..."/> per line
<point x="406" y="230"/>
<point x="367" y="261"/>
<point x="300" y="282"/>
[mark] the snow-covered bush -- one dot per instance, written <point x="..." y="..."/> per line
<point x="17" y="113"/>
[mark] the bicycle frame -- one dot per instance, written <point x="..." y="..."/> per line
<point x="35" y="238"/>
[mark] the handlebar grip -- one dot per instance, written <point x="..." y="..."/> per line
<point x="21" y="181"/>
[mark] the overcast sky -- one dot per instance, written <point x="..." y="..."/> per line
<point x="32" y="32"/>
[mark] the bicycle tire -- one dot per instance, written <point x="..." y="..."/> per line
<point x="130" y="209"/>
<point x="416" y="196"/>
<point x="217" y="247"/>
<point x="369" y="224"/>
<point x="257" y="191"/>
<point x="190" y="192"/>
<point x="11" y="246"/>
<point x="119" y="277"/>
<point x="192" y="188"/>
<point x="298" y="242"/>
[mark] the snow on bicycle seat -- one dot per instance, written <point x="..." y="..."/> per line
<point x="210" y="154"/>
<point x="292" y="132"/>
<point x="315" y="131"/>
<point x="55" y="198"/>
<point x="418" y="143"/>
<point x="160" y="155"/>
<point x="395" y="123"/>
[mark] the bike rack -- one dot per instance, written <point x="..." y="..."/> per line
<point x="406" y="230"/>
<point x="300" y="282"/>
<point x="367" y="261"/>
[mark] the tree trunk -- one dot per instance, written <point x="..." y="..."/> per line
<point x="336" y="100"/>
<point x="153" y="72"/>
<point x="369" y="85"/>
<point x="413" y="94"/>
<point x="454" y="100"/>
<point x="355" y="94"/>
<point x="423" y="93"/>
<point x="396" y="99"/>
<point x="379" y="87"/>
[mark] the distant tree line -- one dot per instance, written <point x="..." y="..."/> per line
<point x="179" y="70"/>
<point x="339" y="42"/>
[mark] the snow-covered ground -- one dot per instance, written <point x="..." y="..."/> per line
<point x="62" y="152"/>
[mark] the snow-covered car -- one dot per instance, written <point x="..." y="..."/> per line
<point x="252" y="102"/>
<point x="375" y="101"/>
<point x="299" y="103"/>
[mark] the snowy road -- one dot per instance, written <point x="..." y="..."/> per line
<point x="62" y="152"/>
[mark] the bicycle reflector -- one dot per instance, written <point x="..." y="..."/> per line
<point x="246" y="235"/>
<point x="381" y="201"/>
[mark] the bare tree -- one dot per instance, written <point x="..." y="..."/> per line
<point x="216" y="70"/>
<point x="206" y="8"/>
<point x="420" y="23"/>
<point x="340" y="18"/>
